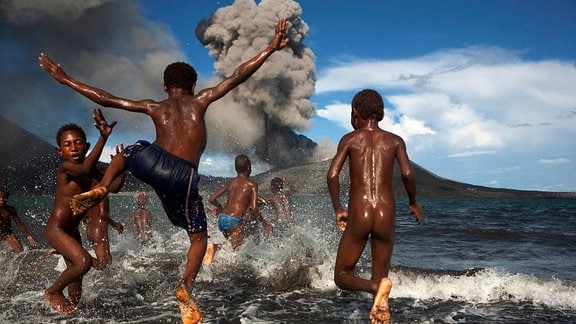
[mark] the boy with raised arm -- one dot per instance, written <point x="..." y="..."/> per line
<point x="74" y="175"/>
<point x="170" y="163"/>
<point x="372" y="153"/>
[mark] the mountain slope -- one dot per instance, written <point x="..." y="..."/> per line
<point x="310" y="179"/>
<point x="27" y="163"/>
<point x="28" y="166"/>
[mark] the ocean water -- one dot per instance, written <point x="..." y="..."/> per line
<point x="472" y="261"/>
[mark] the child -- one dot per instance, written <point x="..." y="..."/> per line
<point x="74" y="175"/>
<point x="241" y="195"/>
<point x="98" y="219"/>
<point x="7" y="214"/>
<point x="170" y="164"/>
<point x="281" y="198"/>
<point x="141" y="218"/>
<point x="371" y="208"/>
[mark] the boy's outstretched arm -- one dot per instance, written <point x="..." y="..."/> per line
<point x="23" y="229"/>
<point x="97" y="95"/>
<point x="246" y="69"/>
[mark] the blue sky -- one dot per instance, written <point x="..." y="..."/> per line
<point x="482" y="91"/>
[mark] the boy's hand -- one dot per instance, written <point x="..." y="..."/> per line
<point x="32" y="241"/>
<point x="416" y="210"/>
<point x="52" y="68"/>
<point x="341" y="219"/>
<point x="118" y="227"/>
<point x="213" y="209"/>
<point x="101" y="124"/>
<point x="280" y="39"/>
<point x="119" y="148"/>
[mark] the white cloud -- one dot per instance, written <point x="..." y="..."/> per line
<point x="553" y="161"/>
<point x="222" y="165"/>
<point x="465" y="102"/>
<point x="470" y="153"/>
<point x="337" y="112"/>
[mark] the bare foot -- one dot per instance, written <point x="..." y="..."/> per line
<point x="209" y="255"/>
<point x="60" y="303"/>
<point x="380" y="313"/>
<point x="82" y="202"/>
<point x="75" y="292"/>
<point x="96" y="264"/>
<point x="188" y="310"/>
<point x="53" y="251"/>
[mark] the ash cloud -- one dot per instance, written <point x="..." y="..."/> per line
<point x="111" y="45"/>
<point x="275" y="101"/>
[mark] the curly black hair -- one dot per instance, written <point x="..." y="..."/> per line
<point x="242" y="163"/>
<point x="277" y="183"/>
<point x="180" y="75"/>
<point x="69" y="127"/>
<point x="369" y="104"/>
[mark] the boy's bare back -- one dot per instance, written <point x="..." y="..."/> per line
<point x="240" y="195"/>
<point x="371" y="156"/>
<point x="180" y="125"/>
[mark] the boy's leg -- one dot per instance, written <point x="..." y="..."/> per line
<point x="82" y="202"/>
<point x="380" y="312"/>
<point x="12" y="240"/>
<point x="349" y="251"/>
<point x="75" y="291"/>
<point x="381" y="256"/>
<point x="236" y="236"/>
<point x="78" y="262"/>
<point x="102" y="251"/>
<point x="116" y="167"/>
<point x="99" y="236"/>
<point x="188" y="309"/>
<point x="210" y="251"/>
<point x="382" y="244"/>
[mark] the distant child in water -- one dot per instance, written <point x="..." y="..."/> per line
<point x="241" y="195"/>
<point x="141" y="228"/>
<point x="282" y="191"/>
<point x="372" y="153"/>
<point x="98" y="218"/>
<point x="74" y="176"/>
<point x="7" y="214"/>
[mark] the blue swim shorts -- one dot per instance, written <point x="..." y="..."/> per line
<point x="174" y="179"/>
<point x="226" y="222"/>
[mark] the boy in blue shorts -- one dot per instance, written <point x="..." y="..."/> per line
<point x="241" y="196"/>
